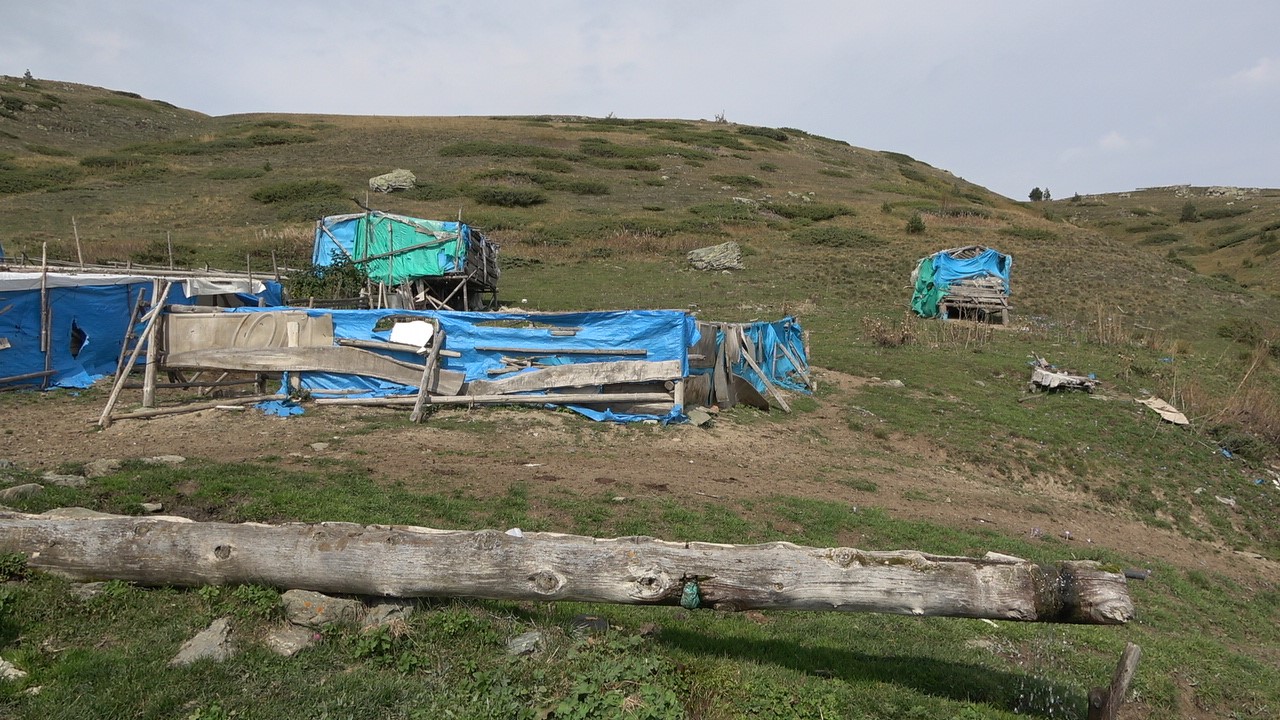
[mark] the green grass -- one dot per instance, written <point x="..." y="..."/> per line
<point x="107" y="656"/>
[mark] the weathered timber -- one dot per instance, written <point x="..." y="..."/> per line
<point x="562" y="351"/>
<point x="579" y="375"/>
<point x="195" y="407"/>
<point x="1104" y="703"/>
<point x="322" y="359"/>
<point x="563" y="398"/>
<point x="404" y="561"/>
<point x="396" y="347"/>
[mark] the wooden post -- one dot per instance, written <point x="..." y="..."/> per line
<point x="46" y="316"/>
<point x="168" y="238"/>
<point x="79" y="253"/>
<point x="400" y="561"/>
<point x="433" y="357"/>
<point x="149" y="375"/>
<point x="1104" y="704"/>
<point x="152" y="318"/>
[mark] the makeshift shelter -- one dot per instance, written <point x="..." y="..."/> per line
<point x="748" y="363"/>
<point x="969" y="282"/>
<point x="412" y="263"/>
<point x="67" y="329"/>
<point x="621" y="366"/>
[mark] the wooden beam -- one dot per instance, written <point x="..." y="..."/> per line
<point x="401" y="561"/>
<point x="579" y="375"/>
<point x="563" y="351"/>
<point x="538" y="399"/>
<point x="337" y="359"/>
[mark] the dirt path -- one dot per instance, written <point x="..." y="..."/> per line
<point x="812" y="455"/>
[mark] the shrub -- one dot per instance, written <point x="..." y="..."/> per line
<point x="506" y="196"/>
<point x="1189" y="213"/>
<point x="889" y="334"/>
<point x="235" y="173"/>
<point x="915" y="225"/>
<point x="815" y="212"/>
<point x="484" y="148"/>
<point x="265" y="139"/>
<point x="835" y="237"/>
<point x="431" y="191"/>
<point x="340" y="279"/>
<point x="49" y="151"/>
<point x="741" y="182"/>
<point x="297" y="191"/>
<point x="1162" y="238"/>
<point x="1223" y="212"/>
<point x="314" y="209"/>
<point x="114" y="161"/>
<point x="770" y="133"/>
<point x="768" y="167"/>
<point x="832" y="172"/>
<point x="14" y="180"/>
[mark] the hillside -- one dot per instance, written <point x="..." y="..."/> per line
<point x="1226" y="232"/>
<point x="956" y="456"/>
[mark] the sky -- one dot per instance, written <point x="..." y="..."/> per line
<point x="1089" y="96"/>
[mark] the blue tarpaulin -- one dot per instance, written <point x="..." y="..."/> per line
<point x="88" y="321"/>
<point x="663" y="335"/>
<point x="935" y="274"/>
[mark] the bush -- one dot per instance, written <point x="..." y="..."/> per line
<point x="431" y="191"/>
<point x="484" y="148"/>
<point x="235" y="173"/>
<point x="1162" y="238"/>
<point x="14" y="180"/>
<point x="297" y="191"/>
<point x="770" y="133"/>
<point x="1189" y="213"/>
<point x="115" y="161"/>
<point x="506" y="196"/>
<point x="740" y="182"/>
<point x="1223" y="213"/>
<point x="915" y="225"/>
<point x="340" y="279"/>
<point x="835" y="237"/>
<point x="815" y="212"/>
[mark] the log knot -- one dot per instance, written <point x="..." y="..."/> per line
<point x="222" y="552"/>
<point x="547" y="582"/>
<point x="652" y="584"/>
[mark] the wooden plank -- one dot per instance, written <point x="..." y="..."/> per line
<point x="437" y="342"/>
<point x="335" y="359"/>
<point x="538" y="399"/>
<point x="579" y="375"/>
<point x="563" y="350"/>
<point x="197" y="332"/>
<point x="393" y="347"/>
<point x="196" y="407"/>
<point x="401" y="561"/>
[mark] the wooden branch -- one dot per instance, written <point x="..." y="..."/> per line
<point x="433" y="357"/>
<point x="402" y="561"/>
<point x="195" y="407"/>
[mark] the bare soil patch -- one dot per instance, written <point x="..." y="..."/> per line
<point x="741" y="456"/>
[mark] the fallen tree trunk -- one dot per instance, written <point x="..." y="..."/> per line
<point x="403" y="561"/>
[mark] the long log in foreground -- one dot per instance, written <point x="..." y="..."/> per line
<point x="403" y="561"/>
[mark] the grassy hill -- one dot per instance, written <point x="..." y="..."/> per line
<point x="598" y="213"/>
<point x="1226" y="232"/>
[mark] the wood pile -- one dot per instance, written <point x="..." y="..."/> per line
<point x="981" y="298"/>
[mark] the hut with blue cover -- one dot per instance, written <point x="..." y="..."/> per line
<point x="964" y="283"/>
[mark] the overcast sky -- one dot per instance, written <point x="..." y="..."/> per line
<point x="1084" y="96"/>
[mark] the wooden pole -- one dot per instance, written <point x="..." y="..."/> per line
<point x="149" y="374"/>
<point x="400" y="561"/>
<point x="1104" y="704"/>
<point x="168" y="238"/>
<point x="46" y="316"/>
<point x="75" y="230"/>
<point x="152" y="318"/>
<point x="433" y="357"/>
<point x="196" y="407"/>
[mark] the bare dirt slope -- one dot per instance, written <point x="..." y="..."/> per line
<point x="813" y="454"/>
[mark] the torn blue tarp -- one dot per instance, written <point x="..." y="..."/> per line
<point x="483" y="341"/>
<point x="779" y="352"/>
<point x="87" y="318"/>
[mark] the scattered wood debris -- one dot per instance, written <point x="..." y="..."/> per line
<point x="1047" y="377"/>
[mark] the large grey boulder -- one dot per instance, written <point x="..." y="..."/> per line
<point x="398" y="179"/>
